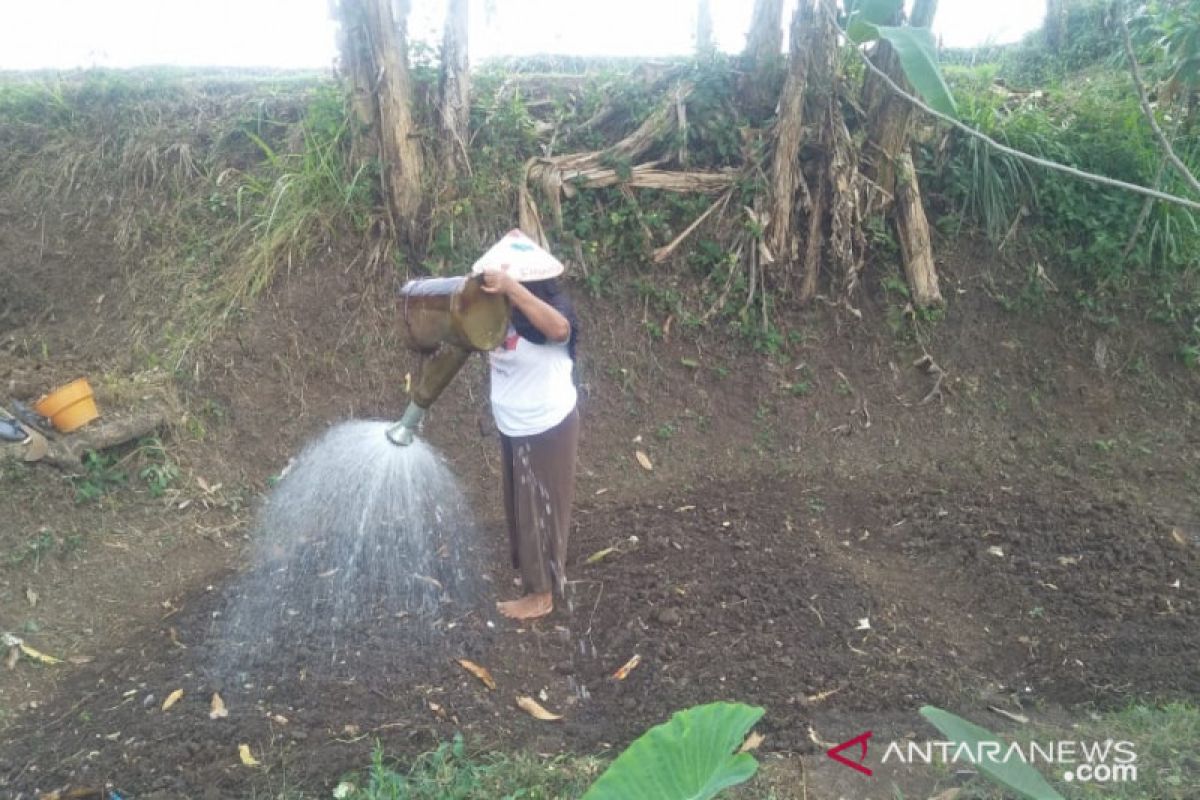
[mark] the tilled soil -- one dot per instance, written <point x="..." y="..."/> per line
<point x="868" y="600"/>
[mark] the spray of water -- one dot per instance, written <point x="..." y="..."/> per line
<point x="360" y="542"/>
<point x="581" y="646"/>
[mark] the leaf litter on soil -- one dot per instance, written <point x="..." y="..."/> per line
<point x="786" y="597"/>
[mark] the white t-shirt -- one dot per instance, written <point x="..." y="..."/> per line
<point x="532" y="389"/>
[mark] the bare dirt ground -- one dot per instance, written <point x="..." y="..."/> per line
<point x="875" y="603"/>
<point x="812" y="538"/>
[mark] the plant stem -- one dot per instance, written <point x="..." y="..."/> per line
<point x="1139" y="84"/>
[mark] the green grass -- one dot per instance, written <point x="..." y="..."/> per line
<point x="211" y="182"/>
<point x="451" y="772"/>
<point x="1165" y="739"/>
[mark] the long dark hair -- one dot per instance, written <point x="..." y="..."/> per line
<point x="550" y="292"/>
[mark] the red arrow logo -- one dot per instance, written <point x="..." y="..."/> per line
<point x="861" y="740"/>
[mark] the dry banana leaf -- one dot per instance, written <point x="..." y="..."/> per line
<point x="173" y="698"/>
<point x="479" y="672"/>
<point x="534" y="709"/>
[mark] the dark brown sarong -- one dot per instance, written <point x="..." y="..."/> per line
<point x="539" y="489"/>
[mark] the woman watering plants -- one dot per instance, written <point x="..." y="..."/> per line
<point x="533" y="401"/>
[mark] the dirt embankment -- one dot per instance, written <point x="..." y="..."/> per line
<point x="812" y="536"/>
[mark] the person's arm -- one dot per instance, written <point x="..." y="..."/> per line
<point x="545" y="317"/>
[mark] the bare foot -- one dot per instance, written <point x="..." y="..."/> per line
<point x="531" y="606"/>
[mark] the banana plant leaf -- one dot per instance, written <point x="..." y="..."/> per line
<point x="918" y="58"/>
<point x="1013" y="774"/>
<point x="865" y="15"/>
<point x="689" y="757"/>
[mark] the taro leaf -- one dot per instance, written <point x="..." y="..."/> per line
<point x="866" y="14"/>
<point x="918" y="58"/>
<point x="690" y="757"/>
<point x="1013" y="774"/>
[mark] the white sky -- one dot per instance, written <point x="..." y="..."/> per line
<point x="38" y="34"/>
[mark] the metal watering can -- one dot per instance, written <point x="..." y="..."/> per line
<point x="445" y="320"/>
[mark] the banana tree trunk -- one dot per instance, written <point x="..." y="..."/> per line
<point x="454" y="94"/>
<point x="912" y="230"/>
<point x="786" y="177"/>
<point x="375" y="52"/>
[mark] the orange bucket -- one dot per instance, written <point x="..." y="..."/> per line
<point x="69" y="407"/>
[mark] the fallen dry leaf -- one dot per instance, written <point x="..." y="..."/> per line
<point x="279" y="719"/>
<point x="600" y="554"/>
<point x="998" y="552"/>
<point x="644" y="460"/>
<point x="31" y="596"/>
<point x="479" y="672"/>
<point x="428" y="581"/>
<point x="38" y="655"/>
<point x="534" y="709"/>
<point x="752" y="742"/>
<point x="627" y="668"/>
<point x="79" y="660"/>
<point x="217" y="709"/>
<point x="950" y="794"/>
<point x="1179" y="538"/>
<point x="437" y="710"/>
<point x="819" y="696"/>
<point x="244" y="754"/>
<point x="1018" y="718"/>
<point x="173" y="698"/>
<point x="14" y="654"/>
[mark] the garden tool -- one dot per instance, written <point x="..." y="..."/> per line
<point x="13" y="430"/>
<point x="30" y="417"/>
<point x="445" y="320"/>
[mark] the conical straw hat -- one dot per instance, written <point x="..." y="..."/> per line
<point x="520" y="257"/>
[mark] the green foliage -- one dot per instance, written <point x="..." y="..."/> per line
<point x="691" y="757"/>
<point x="1089" y="40"/>
<point x="1094" y="123"/>
<point x="1168" y="36"/>
<point x="103" y="475"/>
<point x="107" y="472"/>
<point x="715" y="119"/>
<point x="1165" y="738"/>
<point x="1085" y="114"/>
<point x="451" y="773"/>
<point x="35" y="550"/>
<point x="861" y="17"/>
<point x="1014" y="774"/>
<point x="159" y="473"/>
<point x="917" y="51"/>
<point x="868" y="20"/>
<point x="299" y="198"/>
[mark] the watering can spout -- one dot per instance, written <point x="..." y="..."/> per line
<point x="445" y="320"/>
<point x="402" y="433"/>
